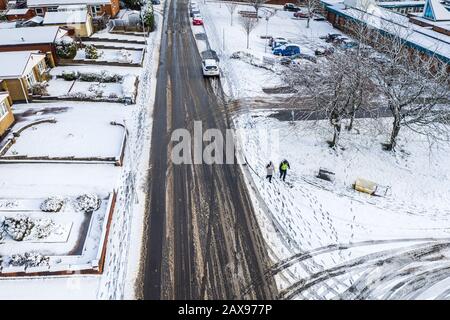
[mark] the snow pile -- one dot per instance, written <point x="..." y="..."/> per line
<point x="52" y="204"/>
<point x="29" y="259"/>
<point x="88" y="203"/>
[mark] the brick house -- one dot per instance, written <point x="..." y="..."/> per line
<point x="42" y="39"/>
<point x="3" y="4"/>
<point x="96" y="8"/>
<point x="20" y="70"/>
<point x="19" y="14"/>
<point x="6" y="115"/>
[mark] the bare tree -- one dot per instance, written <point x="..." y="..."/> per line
<point x="231" y="6"/>
<point x="257" y="4"/>
<point x="248" y="23"/>
<point x="312" y="6"/>
<point x="414" y="86"/>
<point x="326" y="90"/>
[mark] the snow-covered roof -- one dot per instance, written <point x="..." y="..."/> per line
<point x="34" y="35"/>
<point x="13" y="12"/>
<point x="15" y="64"/>
<point x="390" y="22"/>
<point x="44" y="3"/>
<point x="400" y="3"/>
<point x="435" y="11"/>
<point x="36" y="19"/>
<point x="70" y="7"/>
<point x="66" y="17"/>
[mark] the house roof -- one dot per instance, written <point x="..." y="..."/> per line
<point x="421" y="38"/>
<point x="66" y="17"/>
<point x="15" y="64"/>
<point x="435" y="11"/>
<point x="43" y="3"/>
<point x="13" y="12"/>
<point x="35" y="35"/>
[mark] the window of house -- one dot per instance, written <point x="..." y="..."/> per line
<point x="96" y="10"/>
<point x="31" y="80"/>
<point x="41" y="66"/>
<point x="39" y="11"/>
<point x="52" y="9"/>
<point x="3" y="109"/>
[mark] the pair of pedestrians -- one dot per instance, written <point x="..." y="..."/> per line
<point x="270" y="169"/>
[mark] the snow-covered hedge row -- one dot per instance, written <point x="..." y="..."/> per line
<point x="29" y="259"/>
<point x="102" y="77"/>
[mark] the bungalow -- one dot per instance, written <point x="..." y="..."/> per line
<point x="29" y="39"/>
<point x="19" y="14"/>
<point x="96" y="8"/>
<point x="77" y="22"/>
<point x="21" y="70"/>
<point x="6" y="115"/>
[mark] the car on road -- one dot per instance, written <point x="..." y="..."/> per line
<point x="197" y="20"/>
<point x="210" y="68"/>
<point x="291" y="7"/>
<point x="156" y="2"/>
<point x="331" y="36"/>
<point x="272" y="40"/>
<point x="287" y="50"/>
<point x="302" y="15"/>
<point x="324" y="51"/>
<point x="348" y="44"/>
<point x="279" y="42"/>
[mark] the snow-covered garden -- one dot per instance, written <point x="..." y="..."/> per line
<point x="122" y="56"/>
<point x="93" y="85"/>
<point x="77" y="130"/>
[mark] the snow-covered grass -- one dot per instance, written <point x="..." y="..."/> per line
<point x="373" y="240"/>
<point x="81" y="130"/>
<point x="113" y="55"/>
<point x="242" y="79"/>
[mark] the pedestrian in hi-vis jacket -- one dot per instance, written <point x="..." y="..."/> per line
<point x="270" y="169"/>
<point x="284" y="166"/>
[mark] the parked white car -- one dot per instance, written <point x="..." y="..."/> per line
<point x="210" y="68"/>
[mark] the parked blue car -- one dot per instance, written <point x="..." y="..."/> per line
<point x="287" y="50"/>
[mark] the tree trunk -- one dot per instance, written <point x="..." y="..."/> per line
<point x="336" y="136"/>
<point x="352" y="118"/>
<point x="307" y="21"/>
<point x="394" y="133"/>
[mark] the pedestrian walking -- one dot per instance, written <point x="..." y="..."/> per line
<point x="270" y="168"/>
<point x="284" y="166"/>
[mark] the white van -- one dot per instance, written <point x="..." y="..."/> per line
<point x="210" y="68"/>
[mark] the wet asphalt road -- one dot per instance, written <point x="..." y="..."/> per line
<point x="203" y="238"/>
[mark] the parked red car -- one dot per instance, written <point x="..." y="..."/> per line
<point x="302" y="15"/>
<point x="197" y="21"/>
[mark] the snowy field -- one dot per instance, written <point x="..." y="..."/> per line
<point x="241" y="78"/>
<point x="81" y="130"/>
<point x="330" y="241"/>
